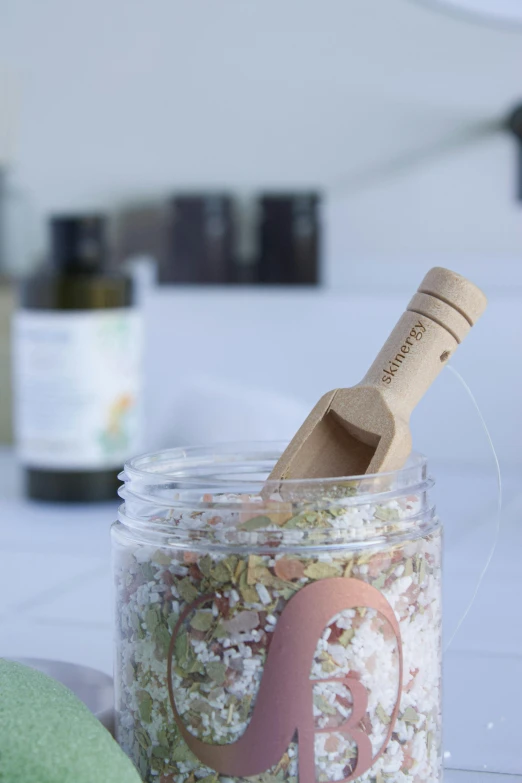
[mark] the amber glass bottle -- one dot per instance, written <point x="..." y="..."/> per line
<point x="76" y="355"/>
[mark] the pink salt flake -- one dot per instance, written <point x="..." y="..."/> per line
<point x="242" y="621"/>
<point x="387" y="631"/>
<point x="289" y="569"/>
<point x="331" y="744"/>
<point x="408" y="759"/>
<point x="411" y="683"/>
<point x="379" y="563"/>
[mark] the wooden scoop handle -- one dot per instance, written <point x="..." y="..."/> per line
<point x="436" y="321"/>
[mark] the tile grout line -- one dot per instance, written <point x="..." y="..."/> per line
<point x="516" y="775"/>
<point x="515" y="656"/>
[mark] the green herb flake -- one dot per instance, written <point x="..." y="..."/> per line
<point x="230" y="713"/>
<point x="221" y="573"/>
<point x="346" y="637"/>
<point x="135" y="621"/>
<point x="183" y="753"/>
<point x="386" y="514"/>
<point x="231" y="564"/>
<point x="287" y="592"/>
<point x="408" y="567"/>
<point x="241" y="566"/>
<point x="281" y="584"/>
<point x="259" y="575"/>
<point x="328" y="663"/>
<point x="147" y="572"/>
<point x="130" y="674"/>
<point x="152" y="618"/>
<point x="162" y="638"/>
<point x="323" y="705"/>
<point x="144" y="678"/>
<point x="321" y="571"/>
<point x="410" y="715"/>
<point x="257" y="570"/>
<point x="161" y="752"/>
<point x="161" y="557"/>
<point x="205" y="565"/>
<point x="143" y="765"/>
<point x="144" y="705"/>
<point x="187" y="590"/>
<point x="162" y="737"/>
<point x="202" y="621"/>
<point x="244" y="708"/>
<point x="181" y="647"/>
<point x="349" y="754"/>
<point x="381" y="714"/>
<point x="248" y="593"/>
<point x="256" y="523"/>
<point x="143" y="738"/>
<point x="217" y="672"/>
<point x="348" y="570"/>
<point x="220" y="631"/>
<point x="379" y="582"/>
<point x="296" y="523"/>
<point x="195" y="667"/>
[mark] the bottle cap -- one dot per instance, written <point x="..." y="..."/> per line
<point x="78" y="243"/>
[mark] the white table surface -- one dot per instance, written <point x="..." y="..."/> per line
<point x="56" y="602"/>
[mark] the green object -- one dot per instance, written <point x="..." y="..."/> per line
<point x="48" y="736"/>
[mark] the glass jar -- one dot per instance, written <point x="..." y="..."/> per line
<point x="277" y="631"/>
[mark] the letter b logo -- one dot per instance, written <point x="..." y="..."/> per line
<point x="283" y="710"/>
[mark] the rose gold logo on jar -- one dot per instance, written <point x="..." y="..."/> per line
<point x="284" y="706"/>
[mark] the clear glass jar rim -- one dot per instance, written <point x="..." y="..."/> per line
<point x="149" y="466"/>
<point x="207" y="485"/>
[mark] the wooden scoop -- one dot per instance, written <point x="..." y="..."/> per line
<point x="366" y="429"/>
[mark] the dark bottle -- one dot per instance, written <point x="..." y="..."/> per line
<point x="200" y="240"/>
<point x="77" y="356"/>
<point x="289" y="238"/>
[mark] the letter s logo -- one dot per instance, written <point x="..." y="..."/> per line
<point x="284" y="704"/>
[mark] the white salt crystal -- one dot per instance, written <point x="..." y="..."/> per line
<point x="264" y="595"/>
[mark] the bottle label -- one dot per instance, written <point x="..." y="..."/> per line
<point x="77" y="387"/>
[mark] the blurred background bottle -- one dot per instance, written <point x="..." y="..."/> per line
<point x="6" y="309"/>
<point x="16" y="257"/>
<point x="200" y="240"/>
<point x="289" y="238"/>
<point x="226" y="238"/>
<point x="76" y="358"/>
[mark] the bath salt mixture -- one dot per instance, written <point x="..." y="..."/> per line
<point x="223" y="609"/>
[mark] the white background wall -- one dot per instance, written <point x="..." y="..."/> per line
<point x="124" y="99"/>
<point x="121" y="99"/>
<point x="251" y="366"/>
